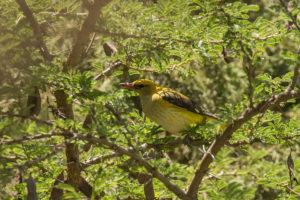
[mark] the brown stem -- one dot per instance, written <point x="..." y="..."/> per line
<point x="144" y="179"/>
<point x="57" y="193"/>
<point x="148" y="189"/>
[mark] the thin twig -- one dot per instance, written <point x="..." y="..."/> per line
<point x="126" y="35"/>
<point x="199" y="143"/>
<point x="141" y="69"/>
<point x="222" y="173"/>
<point x="36" y="29"/>
<point x="294" y="79"/>
<point x="28" y="138"/>
<point x="113" y="66"/>
<point x="177" y="142"/>
<point x="121" y="121"/>
<point x="257" y="140"/>
<point x="250" y="74"/>
<point x="40" y="121"/>
<point x="108" y="71"/>
<point x="98" y="160"/>
<point x="64" y="14"/>
<point x="289" y="189"/>
<point x="91" y="43"/>
<point x="268" y="37"/>
<point x="242" y="143"/>
<point x="38" y="159"/>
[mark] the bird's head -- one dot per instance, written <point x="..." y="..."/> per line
<point x="142" y="86"/>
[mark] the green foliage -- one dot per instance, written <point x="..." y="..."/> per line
<point x="203" y="49"/>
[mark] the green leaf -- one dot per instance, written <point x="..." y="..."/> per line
<point x="222" y="184"/>
<point x="248" y="8"/>
<point x="65" y="187"/>
<point x="288" y="77"/>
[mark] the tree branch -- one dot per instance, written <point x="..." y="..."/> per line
<point x="98" y="160"/>
<point x="241" y="143"/>
<point x="151" y="169"/>
<point x="289" y="189"/>
<point x="83" y="36"/>
<point x="39" y="159"/>
<point x="27" y="138"/>
<point x="121" y="121"/>
<point x="37" y="120"/>
<point x="175" y="143"/>
<point x="148" y="189"/>
<point x="222" y="139"/>
<point x="113" y="66"/>
<point x="294" y="79"/>
<point x="146" y="180"/>
<point x="126" y="35"/>
<point x="250" y="73"/>
<point x="72" y="150"/>
<point x="294" y="19"/>
<point x="90" y="44"/>
<point x="108" y="71"/>
<point x="36" y="29"/>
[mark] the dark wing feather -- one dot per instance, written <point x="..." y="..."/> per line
<point x="184" y="102"/>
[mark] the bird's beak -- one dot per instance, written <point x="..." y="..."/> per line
<point x="127" y="85"/>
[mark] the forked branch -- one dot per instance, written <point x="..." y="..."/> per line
<point x="221" y="140"/>
<point x="36" y="29"/>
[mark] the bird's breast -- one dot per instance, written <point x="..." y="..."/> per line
<point x="171" y="118"/>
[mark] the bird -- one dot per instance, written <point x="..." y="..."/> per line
<point x="167" y="107"/>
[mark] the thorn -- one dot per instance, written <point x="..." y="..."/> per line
<point x="204" y="151"/>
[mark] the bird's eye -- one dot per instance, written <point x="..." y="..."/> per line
<point x="139" y="86"/>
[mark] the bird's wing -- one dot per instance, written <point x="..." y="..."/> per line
<point x="182" y="101"/>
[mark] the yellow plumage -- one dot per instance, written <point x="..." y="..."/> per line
<point x="168" y="108"/>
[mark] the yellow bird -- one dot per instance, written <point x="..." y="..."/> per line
<point x="168" y="108"/>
